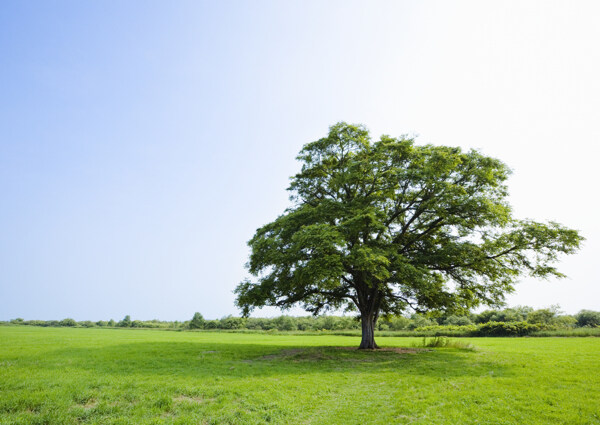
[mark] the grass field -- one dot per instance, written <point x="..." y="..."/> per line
<point x="110" y="376"/>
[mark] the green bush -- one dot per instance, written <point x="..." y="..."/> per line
<point x="197" y="322"/>
<point x="68" y="322"/>
<point x="285" y="323"/>
<point x="457" y="321"/>
<point x="588" y="318"/>
<point x="419" y="321"/>
<point x="125" y="323"/>
<point x="230" y="322"/>
<point x="507" y="329"/>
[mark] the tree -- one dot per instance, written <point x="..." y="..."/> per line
<point x="125" y="323"/>
<point x="588" y="318"/>
<point x="68" y="322"/>
<point x="197" y="321"/>
<point x="381" y="227"/>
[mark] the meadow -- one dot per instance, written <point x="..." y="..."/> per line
<point x="129" y="376"/>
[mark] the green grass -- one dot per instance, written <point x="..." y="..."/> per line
<point x="110" y="376"/>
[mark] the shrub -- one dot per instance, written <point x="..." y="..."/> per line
<point x="68" y="322"/>
<point x="457" y="321"/>
<point x="445" y="342"/>
<point x="398" y="323"/>
<point x="125" y="323"/>
<point x="448" y="329"/>
<point x="197" y="322"/>
<point x="517" y="314"/>
<point x="230" y="322"/>
<point x="544" y="315"/>
<point x="285" y="323"/>
<point x="418" y="321"/>
<point x="507" y="329"/>
<point x="563" y="322"/>
<point x="588" y="318"/>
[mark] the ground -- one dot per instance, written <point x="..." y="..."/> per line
<point x="117" y="376"/>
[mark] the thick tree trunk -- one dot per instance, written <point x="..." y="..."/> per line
<point x="368" y="332"/>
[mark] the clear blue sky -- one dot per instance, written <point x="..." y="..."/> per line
<point x="142" y="143"/>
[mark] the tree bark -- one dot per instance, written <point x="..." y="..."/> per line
<point x="368" y="332"/>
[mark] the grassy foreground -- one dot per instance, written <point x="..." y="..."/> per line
<point x="110" y="376"/>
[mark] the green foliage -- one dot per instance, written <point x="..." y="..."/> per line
<point x="418" y="324"/>
<point x="544" y="316"/>
<point x="285" y="323"/>
<point x="230" y="322"/>
<point x="382" y="227"/>
<point x="137" y="324"/>
<point x="588" y="318"/>
<point x="444" y="342"/>
<point x="517" y="314"/>
<point x="68" y="322"/>
<point x="449" y="330"/>
<point x="564" y="322"/>
<point x="420" y="321"/>
<point x="197" y="321"/>
<point x="507" y="329"/>
<point x="457" y="321"/>
<point x="125" y="323"/>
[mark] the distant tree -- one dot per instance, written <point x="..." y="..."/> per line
<point x="285" y="323"/>
<point x="565" y="321"/>
<point x="68" y="322"/>
<point x="125" y="323"/>
<point x="419" y="321"/>
<point x="230" y="322"/>
<point x="544" y="316"/>
<point x="398" y="323"/>
<point x="382" y="227"/>
<point x="197" y="321"/>
<point x="588" y="318"/>
<point x="457" y="320"/>
<point x="111" y="323"/>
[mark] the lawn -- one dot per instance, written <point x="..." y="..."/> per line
<point x="113" y="376"/>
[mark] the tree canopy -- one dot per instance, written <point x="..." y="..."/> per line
<point x="382" y="227"/>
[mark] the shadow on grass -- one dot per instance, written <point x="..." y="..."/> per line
<point x="210" y="360"/>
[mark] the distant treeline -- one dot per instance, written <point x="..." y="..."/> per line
<point x="509" y="321"/>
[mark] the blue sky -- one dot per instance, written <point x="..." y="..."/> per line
<point x="142" y="143"/>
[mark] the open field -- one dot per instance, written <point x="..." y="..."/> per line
<point x="112" y="376"/>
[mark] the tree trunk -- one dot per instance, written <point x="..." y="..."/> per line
<point x="368" y="332"/>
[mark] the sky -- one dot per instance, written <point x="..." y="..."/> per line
<point x="142" y="143"/>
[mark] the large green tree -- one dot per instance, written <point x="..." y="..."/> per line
<point x="383" y="227"/>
